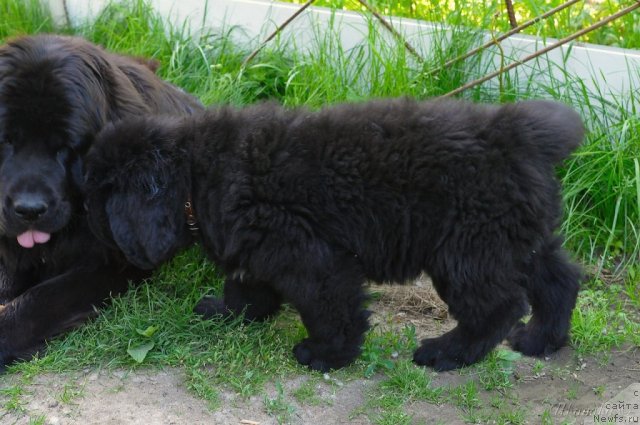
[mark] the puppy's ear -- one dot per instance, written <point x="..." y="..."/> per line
<point x="137" y="183"/>
<point x="144" y="226"/>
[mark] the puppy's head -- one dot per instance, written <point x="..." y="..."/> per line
<point x="137" y="181"/>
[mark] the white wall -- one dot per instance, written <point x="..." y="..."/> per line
<point x="615" y="71"/>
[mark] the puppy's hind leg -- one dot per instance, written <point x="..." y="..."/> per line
<point x="486" y="306"/>
<point x="552" y="289"/>
<point x="256" y="300"/>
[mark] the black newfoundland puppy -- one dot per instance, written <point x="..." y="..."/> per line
<point x="56" y="93"/>
<point x="303" y="207"/>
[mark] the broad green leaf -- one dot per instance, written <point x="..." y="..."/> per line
<point x="147" y="332"/>
<point x="139" y="353"/>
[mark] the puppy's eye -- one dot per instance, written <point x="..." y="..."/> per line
<point x="62" y="155"/>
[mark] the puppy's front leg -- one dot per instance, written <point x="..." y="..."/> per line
<point x="330" y="302"/>
<point x="257" y="300"/>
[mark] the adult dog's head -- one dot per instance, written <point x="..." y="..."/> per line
<point x="56" y="93"/>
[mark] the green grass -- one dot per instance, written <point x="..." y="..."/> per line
<point x="153" y="325"/>
<point x="12" y="396"/>
<point x="24" y="17"/>
<point x="306" y="393"/>
<point x="278" y="406"/>
<point x="492" y="15"/>
<point x="238" y="356"/>
<point x="496" y="371"/>
<point x="411" y="383"/>
<point x="70" y="392"/>
<point x="403" y="384"/>
<point x="603" y="319"/>
<point x="38" y="420"/>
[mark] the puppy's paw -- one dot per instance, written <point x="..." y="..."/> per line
<point x="434" y="358"/>
<point x="531" y="340"/>
<point x="209" y="307"/>
<point x="305" y="357"/>
<point x="445" y="353"/>
<point x="323" y="358"/>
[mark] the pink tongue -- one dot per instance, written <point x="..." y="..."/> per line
<point x="31" y="237"/>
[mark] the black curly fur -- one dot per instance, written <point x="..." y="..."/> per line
<point x="303" y="207"/>
<point x="56" y="93"/>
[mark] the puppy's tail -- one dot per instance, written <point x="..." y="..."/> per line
<point x="537" y="129"/>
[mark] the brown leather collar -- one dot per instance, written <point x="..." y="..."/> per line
<point x="192" y="222"/>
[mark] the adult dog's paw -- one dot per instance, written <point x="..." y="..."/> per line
<point x="5" y="357"/>
<point x="209" y="307"/>
<point x="4" y="361"/>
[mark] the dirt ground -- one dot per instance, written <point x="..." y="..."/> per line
<point x="568" y="389"/>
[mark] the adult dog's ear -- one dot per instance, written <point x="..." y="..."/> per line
<point x="137" y="183"/>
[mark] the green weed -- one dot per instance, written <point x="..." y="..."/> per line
<point x="38" y="420"/>
<point x="382" y="347"/>
<point x="70" y="392"/>
<point x="496" y="370"/>
<point x="403" y="384"/>
<point x="465" y="396"/>
<point x="279" y="407"/>
<point x="11" y="397"/>
<point x="306" y="393"/>
<point x="601" y="320"/>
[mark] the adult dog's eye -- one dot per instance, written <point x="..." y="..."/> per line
<point x="6" y="145"/>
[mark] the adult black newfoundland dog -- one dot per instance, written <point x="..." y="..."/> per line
<point x="56" y="93"/>
<point x="303" y="207"/>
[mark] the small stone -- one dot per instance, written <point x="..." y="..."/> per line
<point x="120" y="374"/>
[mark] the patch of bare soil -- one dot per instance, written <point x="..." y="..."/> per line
<point x="565" y="388"/>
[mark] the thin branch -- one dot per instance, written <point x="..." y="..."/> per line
<point x="276" y="32"/>
<point x="65" y="8"/>
<point x="511" y="13"/>
<point x="540" y="52"/>
<point x="495" y="41"/>
<point x="393" y="31"/>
